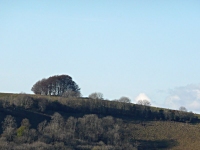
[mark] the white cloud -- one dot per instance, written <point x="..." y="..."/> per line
<point x="187" y="96"/>
<point x="142" y="96"/>
<point x="195" y="105"/>
<point x="173" y="101"/>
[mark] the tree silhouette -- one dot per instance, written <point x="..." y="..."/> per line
<point x="55" y="85"/>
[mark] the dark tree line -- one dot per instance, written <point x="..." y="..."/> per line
<point x="56" y="85"/>
<point x="95" y="106"/>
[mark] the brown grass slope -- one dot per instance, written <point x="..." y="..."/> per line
<point x="170" y="135"/>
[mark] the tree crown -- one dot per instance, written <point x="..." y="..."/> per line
<point x="55" y="85"/>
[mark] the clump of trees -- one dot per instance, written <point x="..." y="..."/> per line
<point x="87" y="132"/>
<point x="56" y="85"/>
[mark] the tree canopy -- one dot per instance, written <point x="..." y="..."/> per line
<point x="55" y="85"/>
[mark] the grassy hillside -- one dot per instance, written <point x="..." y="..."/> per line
<point x="172" y="135"/>
<point x="115" y="125"/>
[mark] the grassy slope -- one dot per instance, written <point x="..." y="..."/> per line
<point x="156" y="134"/>
<point x="179" y="136"/>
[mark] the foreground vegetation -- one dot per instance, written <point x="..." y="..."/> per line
<point x="47" y="122"/>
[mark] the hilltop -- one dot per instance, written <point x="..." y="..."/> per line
<point x="54" y="122"/>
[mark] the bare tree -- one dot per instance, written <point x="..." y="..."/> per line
<point x="90" y="127"/>
<point x="42" y="104"/>
<point x="41" y="126"/>
<point x="183" y="109"/>
<point x="57" y="118"/>
<point x="9" y="122"/>
<point x="23" y="100"/>
<point x="25" y="122"/>
<point x="144" y="102"/>
<point x="9" y="126"/>
<point x="55" y="129"/>
<point x="70" y="128"/>
<point x="96" y="95"/>
<point x="124" y="99"/>
<point x="183" y="113"/>
<point x="70" y="93"/>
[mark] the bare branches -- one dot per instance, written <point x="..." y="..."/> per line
<point x="96" y="95"/>
<point x="144" y="102"/>
<point x="183" y="109"/>
<point x="124" y="100"/>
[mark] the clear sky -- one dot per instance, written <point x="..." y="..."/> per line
<point x="141" y="49"/>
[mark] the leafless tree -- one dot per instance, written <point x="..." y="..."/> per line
<point x="90" y="127"/>
<point x="9" y="126"/>
<point x="96" y="95"/>
<point x="144" y="102"/>
<point x="25" y="122"/>
<point x="55" y="129"/>
<point x="183" y="113"/>
<point x="124" y="99"/>
<point x="41" y="126"/>
<point x="70" y="93"/>
<point x="9" y="122"/>
<point x="24" y="101"/>
<point x="183" y="109"/>
<point x="42" y="104"/>
<point x="70" y="128"/>
<point x="57" y="118"/>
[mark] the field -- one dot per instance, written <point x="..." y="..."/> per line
<point x="144" y="128"/>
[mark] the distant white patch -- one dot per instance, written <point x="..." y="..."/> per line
<point x="142" y="96"/>
<point x="187" y="96"/>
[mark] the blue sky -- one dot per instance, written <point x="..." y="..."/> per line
<point x="119" y="48"/>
